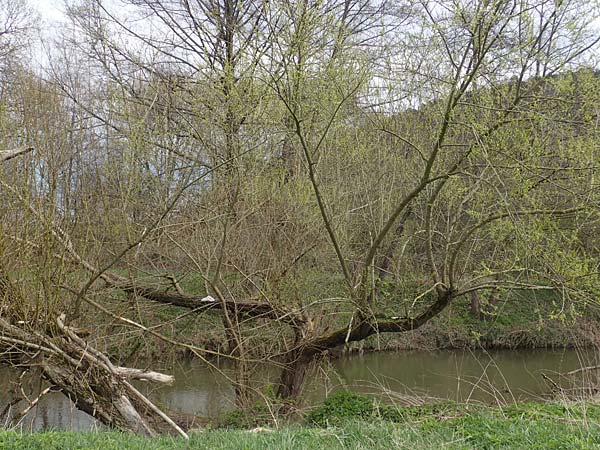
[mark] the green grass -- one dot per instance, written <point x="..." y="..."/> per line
<point x="521" y="426"/>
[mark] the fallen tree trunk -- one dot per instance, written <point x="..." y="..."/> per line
<point x="77" y="369"/>
<point x="87" y="377"/>
<point x="250" y="309"/>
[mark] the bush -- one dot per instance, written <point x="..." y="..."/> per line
<point x="257" y="416"/>
<point x="348" y="405"/>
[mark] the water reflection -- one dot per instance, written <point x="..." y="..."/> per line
<point x="461" y="375"/>
<point x="458" y="375"/>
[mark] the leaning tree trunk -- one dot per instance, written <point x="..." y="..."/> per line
<point x="298" y="360"/>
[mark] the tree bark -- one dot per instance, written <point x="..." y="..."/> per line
<point x="475" y="305"/>
<point x="482" y="310"/>
<point x="292" y="376"/>
<point x="298" y="359"/>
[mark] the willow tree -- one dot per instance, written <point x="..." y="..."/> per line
<point x="472" y="209"/>
<point x="203" y="99"/>
<point x="454" y="173"/>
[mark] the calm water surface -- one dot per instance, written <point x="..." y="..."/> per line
<point x="396" y="377"/>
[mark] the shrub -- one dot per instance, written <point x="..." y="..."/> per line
<point x="256" y="416"/>
<point x="347" y="405"/>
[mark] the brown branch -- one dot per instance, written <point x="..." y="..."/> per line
<point x="365" y="328"/>
<point x="10" y="154"/>
<point x="256" y="310"/>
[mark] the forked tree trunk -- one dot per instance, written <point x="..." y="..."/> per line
<point x="298" y="360"/>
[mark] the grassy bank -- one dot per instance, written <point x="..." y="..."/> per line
<point x="523" y="426"/>
<point x="519" y="320"/>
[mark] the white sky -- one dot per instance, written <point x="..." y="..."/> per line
<point x="50" y="10"/>
<point x="52" y="13"/>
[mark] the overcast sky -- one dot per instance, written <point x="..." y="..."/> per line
<point x="50" y="10"/>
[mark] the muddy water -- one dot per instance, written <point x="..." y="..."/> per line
<point x="459" y="375"/>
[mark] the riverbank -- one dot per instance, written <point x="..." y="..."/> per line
<point x="517" y="320"/>
<point x="520" y="426"/>
<point x="522" y="320"/>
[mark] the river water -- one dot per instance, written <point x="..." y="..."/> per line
<point x="495" y="376"/>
